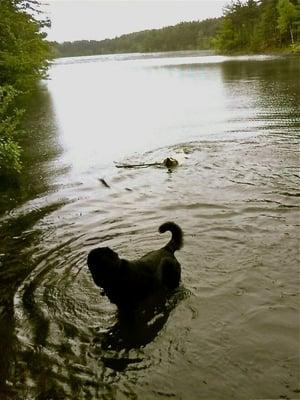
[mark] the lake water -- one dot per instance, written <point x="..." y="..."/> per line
<point x="232" y="330"/>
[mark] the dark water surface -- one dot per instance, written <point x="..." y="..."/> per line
<point x="232" y="330"/>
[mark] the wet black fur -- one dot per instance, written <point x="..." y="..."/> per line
<point x="129" y="283"/>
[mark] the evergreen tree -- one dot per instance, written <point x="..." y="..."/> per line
<point x="268" y="32"/>
<point x="258" y="25"/>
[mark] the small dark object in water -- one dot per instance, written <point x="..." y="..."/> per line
<point x="104" y="182"/>
<point x="129" y="284"/>
<point x="168" y="162"/>
<point x="137" y="165"/>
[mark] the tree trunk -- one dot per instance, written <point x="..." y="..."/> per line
<point x="292" y="35"/>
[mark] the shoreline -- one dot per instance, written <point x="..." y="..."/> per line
<point x="283" y="51"/>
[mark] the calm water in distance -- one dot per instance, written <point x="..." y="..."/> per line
<point x="232" y="330"/>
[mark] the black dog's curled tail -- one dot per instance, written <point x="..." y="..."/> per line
<point x="176" y="241"/>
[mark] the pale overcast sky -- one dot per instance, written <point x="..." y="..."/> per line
<point x="100" y="19"/>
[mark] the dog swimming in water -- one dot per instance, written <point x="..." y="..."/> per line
<point x="126" y="283"/>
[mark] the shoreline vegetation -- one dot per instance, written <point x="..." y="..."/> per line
<point x="24" y="55"/>
<point x="246" y="27"/>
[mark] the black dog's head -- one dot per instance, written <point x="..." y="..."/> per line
<point x="103" y="264"/>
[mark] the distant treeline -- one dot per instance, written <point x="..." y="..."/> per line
<point x="184" y="36"/>
<point x="246" y="26"/>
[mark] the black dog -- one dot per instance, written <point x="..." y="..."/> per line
<point x="129" y="283"/>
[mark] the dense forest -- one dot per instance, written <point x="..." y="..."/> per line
<point x="23" y="55"/>
<point x="183" y="36"/>
<point x="259" y="26"/>
<point x="246" y="26"/>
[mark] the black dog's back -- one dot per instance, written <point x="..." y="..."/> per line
<point x="129" y="283"/>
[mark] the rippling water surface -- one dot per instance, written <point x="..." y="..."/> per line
<point x="232" y="330"/>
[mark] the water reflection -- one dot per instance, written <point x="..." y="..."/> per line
<point x="19" y="242"/>
<point x="141" y="328"/>
<point x="274" y="90"/>
<point x="112" y="108"/>
<point x="118" y="108"/>
<point x="41" y="149"/>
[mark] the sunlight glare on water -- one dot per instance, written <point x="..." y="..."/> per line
<point x="112" y="108"/>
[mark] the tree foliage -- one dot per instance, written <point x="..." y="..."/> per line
<point x="10" y="151"/>
<point x="184" y="36"/>
<point x="23" y="60"/>
<point x="287" y="16"/>
<point x="258" y="25"/>
<point x="23" y="52"/>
